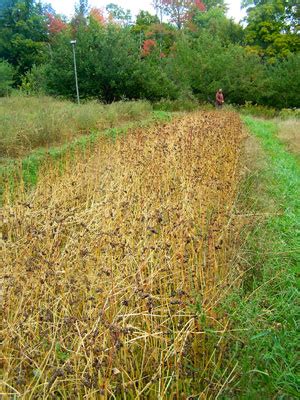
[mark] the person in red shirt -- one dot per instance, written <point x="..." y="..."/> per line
<point x="219" y="98"/>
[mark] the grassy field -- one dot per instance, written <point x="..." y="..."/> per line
<point x="27" y="123"/>
<point x="265" y="307"/>
<point x="161" y="264"/>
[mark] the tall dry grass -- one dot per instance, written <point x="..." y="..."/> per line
<point x="114" y="270"/>
<point x="30" y="122"/>
<point x="289" y="132"/>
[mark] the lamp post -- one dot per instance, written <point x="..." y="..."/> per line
<point x="73" y="43"/>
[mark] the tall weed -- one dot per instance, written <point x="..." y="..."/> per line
<point x="30" y="122"/>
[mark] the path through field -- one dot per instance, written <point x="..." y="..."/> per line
<point x="114" y="268"/>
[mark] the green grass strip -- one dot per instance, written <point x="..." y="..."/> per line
<point x="266" y="307"/>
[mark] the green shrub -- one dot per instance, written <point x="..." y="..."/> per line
<point x="176" y="105"/>
<point x="6" y="78"/>
<point x="287" y="113"/>
<point x="258" y="110"/>
<point x="34" y="81"/>
<point x="283" y="89"/>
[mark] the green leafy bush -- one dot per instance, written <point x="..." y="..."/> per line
<point x="184" y="104"/>
<point x="287" y="113"/>
<point x="283" y="89"/>
<point x="6" y="78"/>
<point x="34" y="81"/>
<point x="258" y="110"/>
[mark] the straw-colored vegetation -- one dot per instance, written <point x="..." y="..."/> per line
<point x="289" y="132"/>
<point x="114" y="270"/>
<point x="30" y="122"/>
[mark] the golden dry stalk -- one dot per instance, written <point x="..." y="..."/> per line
<point x="114" y="267"/>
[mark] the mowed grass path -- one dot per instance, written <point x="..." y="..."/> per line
<point x="114" y="269"/>
<point x="265" y="308"/>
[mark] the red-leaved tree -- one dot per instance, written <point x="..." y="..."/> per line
<point x="97" y="15"/>
<point x="180" y="11"/>
<point x="55" y="24"/>
<point x="200" y="5"/>
<point x="148" y="46"/>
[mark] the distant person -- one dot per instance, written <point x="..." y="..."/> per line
<point x="219" y="99"/>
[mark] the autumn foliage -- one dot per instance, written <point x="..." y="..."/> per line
<point x="55" y="24"/>
<point x="200" y="5"/>
<point x="181" y="11"/>
<point x="148" y="46"/>
<point x="97" y="15"/>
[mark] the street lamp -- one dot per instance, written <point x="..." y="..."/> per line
<point x="73" y="43"/>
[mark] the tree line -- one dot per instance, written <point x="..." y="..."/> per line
<point x="187" y="50"/>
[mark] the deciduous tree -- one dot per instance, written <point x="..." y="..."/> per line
<point x="119" y="15"/>
<point x="218" y="25"/>
<point x="97" y="15"/>
<point x="82" y="8"/>
<point x="145" y="19"/>
<point x="181" y="11"/>
<point x="272" y="27"/>
<point x="23" y="34"/>
<point x="81" y="13"/>
<point x="55" y="24"/>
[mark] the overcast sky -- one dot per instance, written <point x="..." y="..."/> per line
<point x="66" y="7"/>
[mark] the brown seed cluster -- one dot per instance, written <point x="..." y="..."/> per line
<point x="113" y="268"/>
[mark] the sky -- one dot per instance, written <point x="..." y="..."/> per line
<point x="66" y="7"/>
